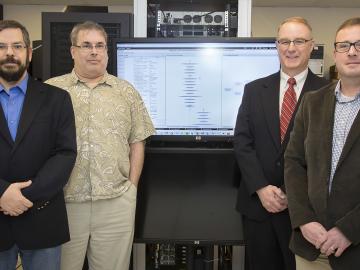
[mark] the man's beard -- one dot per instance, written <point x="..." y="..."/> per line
<point x="13" y="74"/>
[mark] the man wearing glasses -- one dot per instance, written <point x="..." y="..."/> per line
<point x="262" y="131"/>
<point x="112" y="124"/>
<point x="37" y="154"/>
<point x="322" y="172"/>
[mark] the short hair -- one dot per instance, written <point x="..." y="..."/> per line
<point x="11" y="24"/>
<point x="296" y="20"/>
<point x="88" y="25"/>
<point x="348" y="23"/>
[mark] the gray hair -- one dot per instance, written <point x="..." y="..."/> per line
<point x="296" y="20"/>
<point x="88" y="25"/>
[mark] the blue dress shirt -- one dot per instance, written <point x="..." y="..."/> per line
<point x="12" y="103"/>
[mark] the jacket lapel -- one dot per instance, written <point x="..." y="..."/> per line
<point x="327" y="120"/>
<point x="33" y="100"/>
<point x="270" y="102"/>
<point x="4" y="129"/>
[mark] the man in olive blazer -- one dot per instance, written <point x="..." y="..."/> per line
<point x="322" y="165"/>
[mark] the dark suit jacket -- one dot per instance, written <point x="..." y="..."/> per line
<point x="44" y="151"/>
<point x="307" y="171"/>
<point x="257" y="140"/>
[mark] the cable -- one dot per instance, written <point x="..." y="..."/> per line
<point x="34" y="49"/>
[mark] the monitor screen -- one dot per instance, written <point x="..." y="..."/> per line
<point x="193" y="88"/>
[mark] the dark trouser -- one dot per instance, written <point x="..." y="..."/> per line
<point x="267" y="243"/>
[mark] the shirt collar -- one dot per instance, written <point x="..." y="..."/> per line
<point x="301" y="77"/>
<point x="340" y="97"/>
<point x="22" y="85"/>
<point x="105" y="80"/>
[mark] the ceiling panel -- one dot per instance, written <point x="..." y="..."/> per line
<point x="257" y="3"/>
<point x="306" y="3"/>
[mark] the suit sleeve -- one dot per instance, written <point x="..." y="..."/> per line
<point x="56" y="171"/>
<point x="244" y="146"/>
<point x="3" y="186"/>
<point x="349" y="225"/>
<point x="295" y="174"/>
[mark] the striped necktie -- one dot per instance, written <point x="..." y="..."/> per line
<point x="287" y="108"/>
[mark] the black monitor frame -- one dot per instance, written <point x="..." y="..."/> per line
<point x="188" y="198"/>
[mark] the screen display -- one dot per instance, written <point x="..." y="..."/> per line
<point x="194" y="88"/>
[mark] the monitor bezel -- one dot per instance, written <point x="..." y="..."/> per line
<point x="221" y="139"/>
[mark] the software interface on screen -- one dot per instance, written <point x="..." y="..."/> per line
<point x="194" y="88"/>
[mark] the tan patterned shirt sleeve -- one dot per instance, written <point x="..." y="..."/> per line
<point x="108" y="118"/>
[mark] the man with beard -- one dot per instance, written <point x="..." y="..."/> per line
<point x="37" y="154"/>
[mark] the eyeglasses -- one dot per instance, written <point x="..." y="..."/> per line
<point x="297" y="42"/>
<point x="16" y="47"/>
<point x="88" y="47"/>
<point x="345" y="46"/>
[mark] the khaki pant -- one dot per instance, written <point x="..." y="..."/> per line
<point x="321" y="263"/>
<point x="103" y="230"/>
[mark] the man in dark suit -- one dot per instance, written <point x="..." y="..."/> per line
<point x="37" y="154"/>
<point x="262" y="130"/>
<point x="322" y="166"/>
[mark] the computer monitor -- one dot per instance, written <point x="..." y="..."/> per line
<point x="193" y="87"/>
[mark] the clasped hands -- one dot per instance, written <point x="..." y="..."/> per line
<point x="12" y="202"/>
<point x="272" y="198"/>
<point x="329" y="242"/>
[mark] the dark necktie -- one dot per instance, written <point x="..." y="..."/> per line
<point x="287" y="108"/>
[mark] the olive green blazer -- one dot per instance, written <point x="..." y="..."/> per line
<point x="307" y="172"/>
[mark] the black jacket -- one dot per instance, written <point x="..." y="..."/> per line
<point x="257" y="140"/>
<point x="44" y="151"/>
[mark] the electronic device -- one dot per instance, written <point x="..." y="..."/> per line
<point x="193" y="88"/>
<point x="192" y="17"/>
<point x="316" y="61"/>
<point x="205" y="20"/>
<point x="194" y="24"/>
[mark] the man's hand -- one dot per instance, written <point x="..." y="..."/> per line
<point x="336" y="243"/>
<point x="12" y="202"/>
<point x="315" y="233"/>
<point x="272" y="198"/>
<point x="136" y="157"/>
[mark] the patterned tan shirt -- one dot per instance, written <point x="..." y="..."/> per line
<point x="108" y="118"/>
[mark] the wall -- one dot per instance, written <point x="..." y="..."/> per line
<point x="324" y="22"/>
<point x="30" y="15"/>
